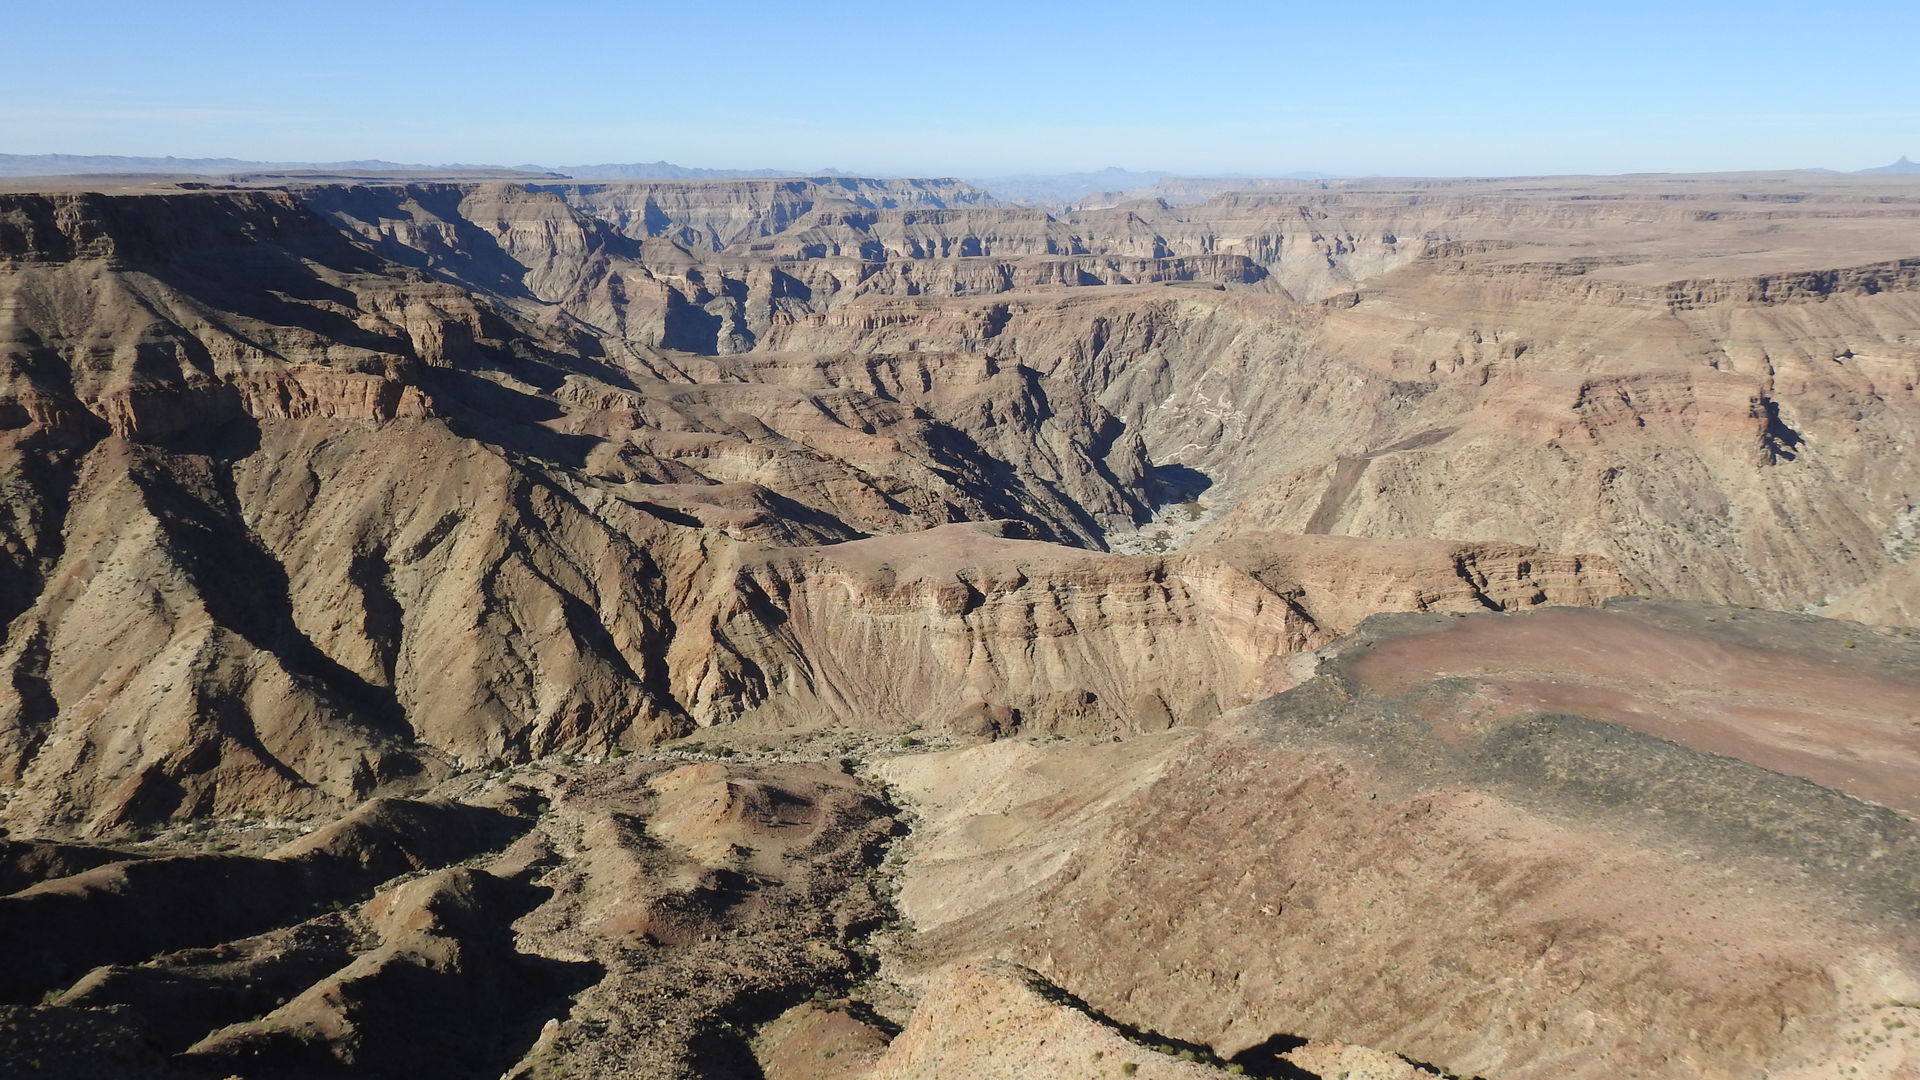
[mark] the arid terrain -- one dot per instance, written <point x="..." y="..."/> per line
<point x="834" y="627"/>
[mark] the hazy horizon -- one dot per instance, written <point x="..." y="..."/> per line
<point x="1150" y="174"/>
<point x="1232" y="89"/>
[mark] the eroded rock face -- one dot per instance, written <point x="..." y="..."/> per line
<point x="1647" y="841"/>
<point x="966" y="622"/>
<point x="320" y="493"/>
<point x="619" y="919"/>
<point x="1634" y="859"/>
<point x="315" y="496"/>
<point x="1701" y="459"/>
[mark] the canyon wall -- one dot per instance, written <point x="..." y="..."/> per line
<point x="316" y="492"/>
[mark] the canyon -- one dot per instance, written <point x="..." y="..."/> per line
<point x="833" y="626"/>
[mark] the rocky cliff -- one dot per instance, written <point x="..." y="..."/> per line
<point x="337" y="488"/>
<point x="322" y="495"/>
<point x="490" y="629"/>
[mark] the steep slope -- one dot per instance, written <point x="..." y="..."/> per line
<point x="981" y="634"/>
<point x="1759" y="464"/>
<point x="300" y="514"/>
<point x="324" y="511"/>
<point x="1720" y="373"/>
<point x="1650" y="841"/>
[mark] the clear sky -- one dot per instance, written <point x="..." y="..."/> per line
<point x="974" y="88"/>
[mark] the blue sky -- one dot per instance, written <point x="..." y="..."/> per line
<point x="975" y="88"/>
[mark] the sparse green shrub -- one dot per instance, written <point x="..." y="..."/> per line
<point x="1128" y="1068"/>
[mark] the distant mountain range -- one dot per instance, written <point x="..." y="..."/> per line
<point x="1110" y="182"/>
<point x="666" y="170"/>
<point x="1023" y="187"/>
<point x="87" y="164"/>
<point x="111" y="164"/>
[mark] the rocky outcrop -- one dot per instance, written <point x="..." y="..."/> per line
<point x="319" y="494"/>
<point x="124" y="912"/>
<point x="372" y="495"/>
<point x="1506" y="845"/>
<point x="537" y="927"/>
<point x="269" y="563"/>
<point x="716" y="214"/>
<point x="1752" y="466"/>
<point x="981" y="634"/>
